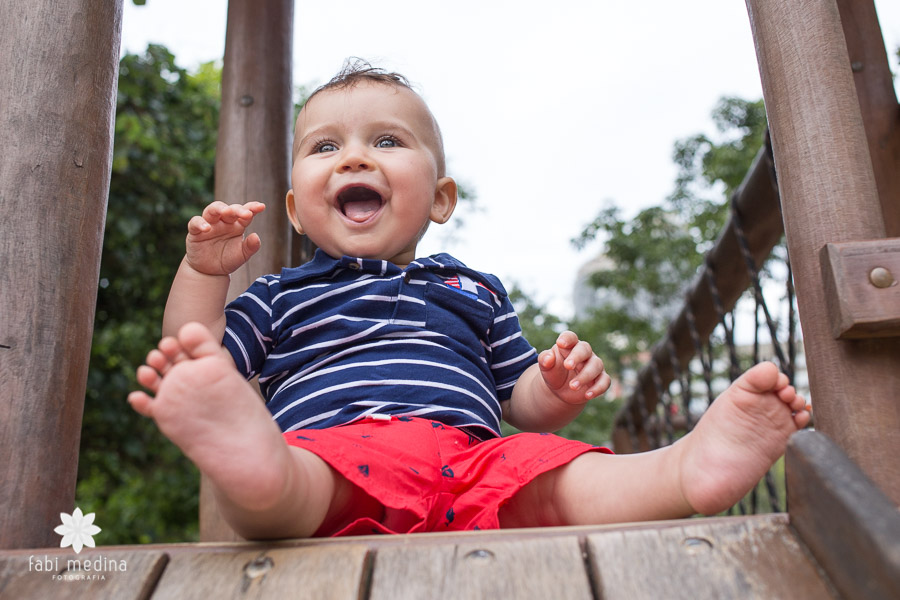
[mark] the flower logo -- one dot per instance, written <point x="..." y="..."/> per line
<point x="77" y="530"/>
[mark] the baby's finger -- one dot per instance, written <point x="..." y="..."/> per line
<point x="552" y="369"/>
<point x="566" y="340"/>
<point x="198" y="225"/>
<point x="588" y="373"/>
<point x="580" y="353"/>
<point x="213" y="211"/>
<point x="547" y="359"/>
<point x="599" y="388"/>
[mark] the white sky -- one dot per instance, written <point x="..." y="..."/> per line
<point x="547" y="113"/>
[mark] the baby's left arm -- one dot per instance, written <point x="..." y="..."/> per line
<point x="550" y="394"/>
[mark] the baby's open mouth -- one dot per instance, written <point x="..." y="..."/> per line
<point x="359" y="203"/>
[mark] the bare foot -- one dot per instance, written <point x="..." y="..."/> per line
<point x="739" y="438"/>
<point x="207" y="409"/>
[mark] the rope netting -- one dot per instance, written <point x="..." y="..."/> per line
<point x="695" y="362"/>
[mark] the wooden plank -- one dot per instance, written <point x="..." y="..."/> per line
<point x="829" y="195"/>
<point x="115" y="575"/>
<point x="253" y="154"/>
<point x="861" y="288"/>
<point x="522" y="569"/>
<point x="58" y="73"/>
<point x="847" y="523"/>
<point x="335" y="572"/>
<point x="745" y="559"/>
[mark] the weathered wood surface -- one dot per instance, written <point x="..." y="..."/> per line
<point x="734" y="557"/>
<point x="861" y="288"/>
<point x="58" y="72"/>
<point x="304" y="573"/>
<point x="828" y="195"/>
<point x="877" y="100"/>
<point x="746" y="559"/>
<point x="849" y="526"/>
<point x="253" y="153"/>
<point x="526" y="568"/>
<point x="20" y="578"/>
<point x="253" y="150"/>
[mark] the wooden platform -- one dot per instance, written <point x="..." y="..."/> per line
<point x="841" y="539"/>
<point x="740" y="557"/>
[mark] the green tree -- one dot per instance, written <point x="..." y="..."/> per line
<point x="165" y="136"/>
<point x="655" y="254"/>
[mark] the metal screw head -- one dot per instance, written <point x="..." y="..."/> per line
<point x="881" y="277"/>
<point x="480" y="554"/>
<point x="697" y="545"/>
<point x="258" y="567"/>
<point x="246" y="100"/>
<point x="857" y="66"/>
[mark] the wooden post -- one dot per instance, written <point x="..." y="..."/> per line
<point x="878" y="102"/>
<point x="829" y="194"/>
<point x="253" y="151"/>
<point x="58" y="77"/>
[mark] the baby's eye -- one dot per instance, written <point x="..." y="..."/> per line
<point x="325" y="147"/>
<point x="386" y="142"/>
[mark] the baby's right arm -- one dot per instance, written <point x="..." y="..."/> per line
<point x="216" y="247"/>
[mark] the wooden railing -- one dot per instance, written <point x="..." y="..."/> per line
<point x="835" y="139"/>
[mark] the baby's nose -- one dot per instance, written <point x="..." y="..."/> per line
<point x="355" y="159"/>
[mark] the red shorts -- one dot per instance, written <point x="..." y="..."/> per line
<point x="432" y="477"/>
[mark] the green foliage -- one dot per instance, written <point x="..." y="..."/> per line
<point x="142" y="487"/>
<point x="655" y="254"/>
<point x="541" y="328"/>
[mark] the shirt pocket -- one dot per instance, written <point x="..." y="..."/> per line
<point x="457" y="314"/>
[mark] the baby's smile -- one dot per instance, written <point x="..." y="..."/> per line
<point x="359" y="203"/>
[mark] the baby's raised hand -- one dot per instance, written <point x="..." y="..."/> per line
<point x="215" y="242"/>
<point x="572" y="371"/>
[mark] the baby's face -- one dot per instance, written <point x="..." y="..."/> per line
<point x="365" y="174"/>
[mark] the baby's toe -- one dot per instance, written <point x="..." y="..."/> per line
<point x="149" y="378"/>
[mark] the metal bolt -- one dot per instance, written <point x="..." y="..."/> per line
<point x="481" y="554"/>
<point x="258" y="567"/>
<point x="857" y="66"/>
<point x="697" y="545"/>
<point x="881" y="277"/>
<point x="246" y="100"/>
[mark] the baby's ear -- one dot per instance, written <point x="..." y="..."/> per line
<point x="292" y="211"/>
<point x="444" y="200"/>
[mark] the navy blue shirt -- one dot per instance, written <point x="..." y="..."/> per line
<point x="336" y="340"/>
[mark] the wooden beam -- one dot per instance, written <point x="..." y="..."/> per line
<point x="878" y="102"/>
<point x="58" y="77"/>
<point x="848" y="524"/>
<point x="861" y="288"/>
<point x="829" y="195"/>
<point x="253" y="152"/>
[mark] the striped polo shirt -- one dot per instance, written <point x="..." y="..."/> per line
<point x="337" y="340"/>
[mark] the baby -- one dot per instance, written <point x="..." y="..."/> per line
<point x="386" y="375"/>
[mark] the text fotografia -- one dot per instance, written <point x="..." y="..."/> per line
<point x="93" y="568"/>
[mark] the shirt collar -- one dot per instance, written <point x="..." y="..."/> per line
<point x="323" y="265"/>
